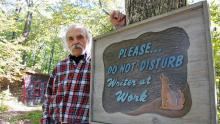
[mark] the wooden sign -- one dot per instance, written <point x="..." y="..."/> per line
<point x="158" y="71"/>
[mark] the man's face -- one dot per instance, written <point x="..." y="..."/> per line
<point x="76" y="41"/>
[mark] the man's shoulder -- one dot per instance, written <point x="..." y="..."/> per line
<point x="59" y="65"/>
<point x="62" y="62"/>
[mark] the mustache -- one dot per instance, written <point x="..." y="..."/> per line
<point x="77" y="46"/>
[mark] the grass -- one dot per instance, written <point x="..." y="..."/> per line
<point x="34" y="117"/>
<point x="3" y="108"/>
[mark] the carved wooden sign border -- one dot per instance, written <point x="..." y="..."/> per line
<point x="148" y="74"/>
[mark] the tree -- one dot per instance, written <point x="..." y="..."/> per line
<point x="28" y="20"/>
<point x="138" y="10"/>
<point x="30" y="38"/>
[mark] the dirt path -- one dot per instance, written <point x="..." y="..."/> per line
<point x="16" y="109"/>
<point x="6" y="116"/>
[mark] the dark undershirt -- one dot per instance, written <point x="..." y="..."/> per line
<point x="76" y="59"/>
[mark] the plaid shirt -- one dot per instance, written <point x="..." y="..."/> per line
<point x="67" y="93"/>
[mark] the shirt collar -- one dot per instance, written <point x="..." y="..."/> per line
<point x="79" y="58"/>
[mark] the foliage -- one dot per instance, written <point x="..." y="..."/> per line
<point x="215" y="18"/>
<point x="43" y="48"/>
<point x="3" y="97"/>
<point x="34" y="117"/>
<point x="218" y="117"/>
<point x="10" y="59"/>
<point x="4" y="108"/>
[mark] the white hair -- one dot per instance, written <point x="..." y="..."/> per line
<point x="87" y="34"/>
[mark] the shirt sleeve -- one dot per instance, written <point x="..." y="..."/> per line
<point x="47" y="98"/>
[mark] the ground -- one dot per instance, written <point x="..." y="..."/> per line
<point x="17" y="112"/>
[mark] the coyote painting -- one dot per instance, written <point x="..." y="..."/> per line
<point x="171" y="100"/>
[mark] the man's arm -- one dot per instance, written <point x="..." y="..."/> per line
<point x="47" y="99"/>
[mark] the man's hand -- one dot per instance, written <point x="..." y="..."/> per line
<point x="117" y="19"/>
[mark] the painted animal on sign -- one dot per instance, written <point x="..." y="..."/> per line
<point x="171" y="100"/>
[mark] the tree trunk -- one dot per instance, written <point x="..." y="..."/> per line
<point x="138" y="10"/>
<point x="27" y="26"/>
<point x="17" y="12"/>
<point x="51" y="58"/>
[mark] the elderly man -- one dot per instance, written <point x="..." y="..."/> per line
<point x="67" y="92"/>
